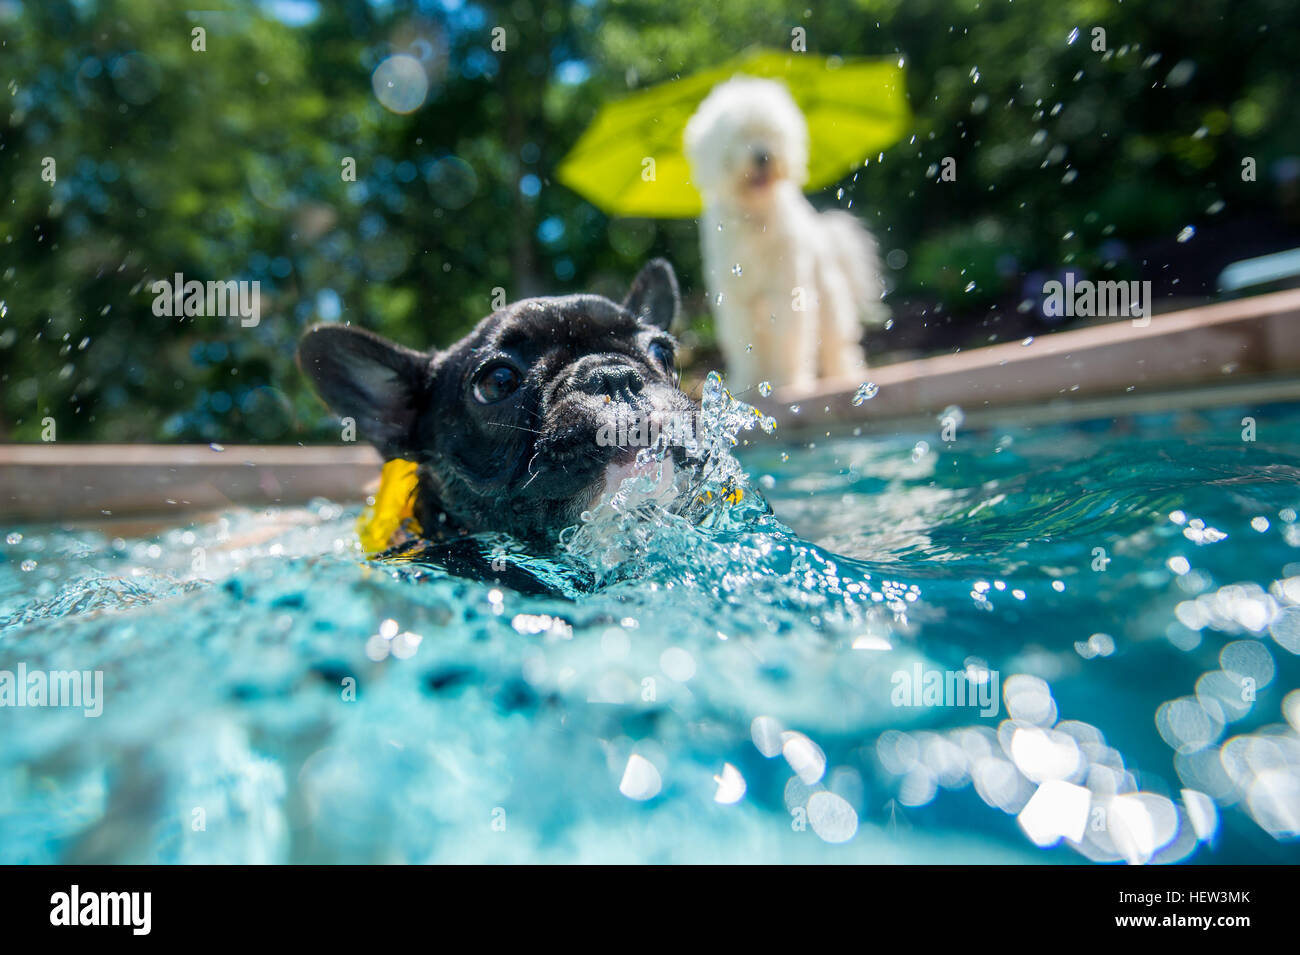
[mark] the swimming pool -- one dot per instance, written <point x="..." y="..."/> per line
<point x="1048" y="644"/>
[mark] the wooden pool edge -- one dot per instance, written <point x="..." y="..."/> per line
<point x="109" y="482"/>
<point x="1244" y="352"/>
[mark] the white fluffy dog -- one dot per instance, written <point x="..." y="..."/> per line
<point x="790" y="287"/>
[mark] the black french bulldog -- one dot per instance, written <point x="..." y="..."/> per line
<point x="504" y="423"/>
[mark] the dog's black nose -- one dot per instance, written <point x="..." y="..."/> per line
<point x="616" y="381"/>
<point x="761" y="158"/>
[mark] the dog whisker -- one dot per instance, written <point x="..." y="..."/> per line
<point x="529" y="469"/>
<point x="502" y="424"/>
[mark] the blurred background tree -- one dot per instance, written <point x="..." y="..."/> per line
<point x="1122" y="160"/>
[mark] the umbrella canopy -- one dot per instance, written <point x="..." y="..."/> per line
<point x="855" y="107"/>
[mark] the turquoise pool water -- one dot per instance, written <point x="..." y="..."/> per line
<point x="1101" y="623"/>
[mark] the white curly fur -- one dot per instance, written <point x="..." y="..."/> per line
<point x="793" y="312"/>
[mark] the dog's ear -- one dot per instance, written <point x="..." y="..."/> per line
<point x="380" y="384"/>
<point x="654" y="298"/>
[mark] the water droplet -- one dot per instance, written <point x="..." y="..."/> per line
<point x="14" y="538"/>
<point x="866" y="392"/>
<point x="765" y="389"/>
<point x="1187" y="233"/>
<point x="217" y="447"/>
<point x="1028" y="341"/>
<point x="28" y="566"/>
<point x="1074" y="35"/>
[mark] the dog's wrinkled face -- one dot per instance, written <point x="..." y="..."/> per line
<point x="511" y="426"/>
<point x="747" y="135"/>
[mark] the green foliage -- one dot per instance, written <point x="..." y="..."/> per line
<point x="226" y="164"/>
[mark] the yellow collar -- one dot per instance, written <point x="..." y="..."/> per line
<point x="391" y="519"/>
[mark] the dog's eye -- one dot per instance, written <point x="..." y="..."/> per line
<point x="495" y="383"/>
<point x="661" y="353"/>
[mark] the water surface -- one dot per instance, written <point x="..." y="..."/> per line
<point x="732" y="688"/>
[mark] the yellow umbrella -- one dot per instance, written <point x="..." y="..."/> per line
<point x="855" y="108"/>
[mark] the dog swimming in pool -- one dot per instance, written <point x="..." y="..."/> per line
<point x="506" y="430"/>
